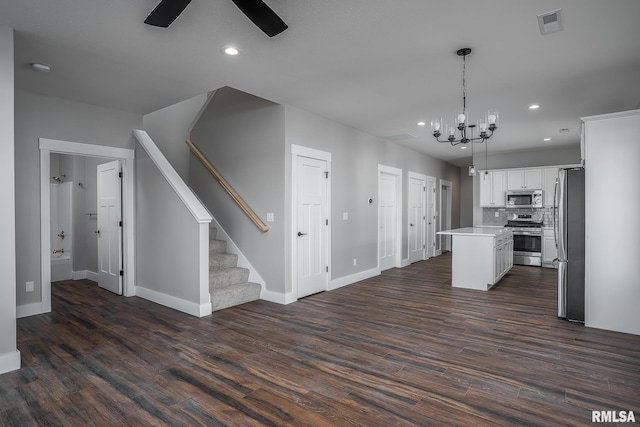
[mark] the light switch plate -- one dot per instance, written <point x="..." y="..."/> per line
<point x="269" y="216"/>
<point x="345" y="216"/>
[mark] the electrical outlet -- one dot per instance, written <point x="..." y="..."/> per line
<point x="497" y="214"/>
<point x="269" y="216"/>
<point x="29" y="286"/>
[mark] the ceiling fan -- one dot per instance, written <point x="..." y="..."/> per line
<point x="256" y="10"/>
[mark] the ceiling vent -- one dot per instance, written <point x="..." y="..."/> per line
<point x="550" y="22"/>
<point x="400" y="137"/>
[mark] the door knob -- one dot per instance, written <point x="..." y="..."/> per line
<point x="410" y="225"/>
<point x="301" y="234"/>
<point x="97" y="231"/>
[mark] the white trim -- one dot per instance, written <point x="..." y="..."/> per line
<point x="278" y="297"/>
<point x="300" y="151"/>
<point x="399" y="209"/>
<point x="611" y="115"/>
<point x="9" y="361"/>
<point x="27" y="310"/>
<point x="84" y="274"/>
<point x="126" y="156"/>
<point x="448" y="219"/>
<point x="189" y="307"/>
<point x="353" y="278"/>
<point x="185" y="194"/>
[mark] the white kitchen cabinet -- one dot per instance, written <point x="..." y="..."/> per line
<point x="549" y="249"/>
<point x="480" y="256"/>
<point x="548" y="190"/>
<point x="492" y="188"/>
<point x="524" y="179"/>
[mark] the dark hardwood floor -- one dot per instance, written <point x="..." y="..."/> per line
<point x="403" y="348"/>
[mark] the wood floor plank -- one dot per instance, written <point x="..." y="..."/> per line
<point x="401" y="348"/>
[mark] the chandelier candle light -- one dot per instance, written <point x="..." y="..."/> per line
<point x="462" y="122"/>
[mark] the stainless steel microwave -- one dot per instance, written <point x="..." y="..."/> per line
<point x="524" y="199"/>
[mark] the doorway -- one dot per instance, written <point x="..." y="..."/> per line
<point x="126" y="157"/>
<point x="310" y="232"/>
<point x="445" y="214"/>
<point x="389" y="217"/>
<point x="417" y="216"/>
<point x="432" y="214"/>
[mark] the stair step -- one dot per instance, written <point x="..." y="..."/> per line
<point x="230" y="296"/>
<point x="217" y="246"/>
<point x="227" y="277"/>
<point x="213" y="233"/>
<point x="220" y="261"/>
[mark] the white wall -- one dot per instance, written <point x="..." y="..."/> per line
<point x="612" y="153"/>
<point x="37" y="117"/>
<point x="9" y="356"/>
<point x="170" y="127"/>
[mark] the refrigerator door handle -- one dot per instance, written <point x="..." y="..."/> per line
<point x="562" y="252"/>
<point x="555" y="213"/>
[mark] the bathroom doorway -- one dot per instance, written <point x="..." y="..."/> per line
<point x="99" y="154"/>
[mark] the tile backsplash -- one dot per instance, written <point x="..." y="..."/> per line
<point x="489" y="215"/>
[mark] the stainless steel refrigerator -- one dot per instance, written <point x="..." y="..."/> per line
<point x="569" y="209"/>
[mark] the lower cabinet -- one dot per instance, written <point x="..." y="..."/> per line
<point x="502" y="257"/>
<point x="549" y="249"/>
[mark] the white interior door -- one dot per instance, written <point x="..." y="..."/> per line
<point x="109" y="229"/>
<point x="311" y="236"/>
<point x="388" y="219"/>
<point x="431" y="216"/>
<point x="417" y="193"/>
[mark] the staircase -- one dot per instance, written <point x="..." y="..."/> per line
<point x="228" y="283"/>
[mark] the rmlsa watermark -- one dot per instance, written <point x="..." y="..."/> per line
<point x="613" y="417"/>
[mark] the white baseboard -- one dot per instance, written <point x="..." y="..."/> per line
<point x="84" y="274"/>
<point x="277" y="297"/>
<point x="189" y="307"/>
<point x="353" y="278"/>
<point x="9" y="361"/>
<point x="405" y="262"/>
<point x="27" y="310"/>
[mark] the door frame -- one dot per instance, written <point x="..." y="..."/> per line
<point x="127" y="158"/>
<point x="431" y="238"/>
<point x="389" y="170"/>
<point x="447" y="220"/>
<point x="423" y="179"/>
<point x="312" y="153"/>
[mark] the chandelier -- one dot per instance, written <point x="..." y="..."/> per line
<point x="462" y="124"/>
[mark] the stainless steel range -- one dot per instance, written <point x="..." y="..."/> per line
<point x="527" y="239"/>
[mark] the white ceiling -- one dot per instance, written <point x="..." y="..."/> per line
<point x="377" y="65"/>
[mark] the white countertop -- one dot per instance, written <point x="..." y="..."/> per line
<point x="475" y="231"/>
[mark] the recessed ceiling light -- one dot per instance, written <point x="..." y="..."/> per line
<point x="534" y="106"/>
<point x="231" y="51"/>
<point x="43" y="68"/>
<point x="547" y="139"/>
<point x="422" y="123"/>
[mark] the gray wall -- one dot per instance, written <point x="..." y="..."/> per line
<point x="167" y="243"/>
<point x="243" y="137"/>
<point x="37" y="117"/>
<point x="170" y="127"/>
<point x="355" y="159"/>
<point x="7" y="207"/>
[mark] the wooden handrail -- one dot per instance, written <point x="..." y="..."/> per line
<point x="235" y="196"/>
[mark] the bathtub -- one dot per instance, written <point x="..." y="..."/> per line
<point x="60" y="267"/>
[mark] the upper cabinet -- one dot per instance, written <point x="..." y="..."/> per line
<point x="492" y="188"/>
<point x="524" y="179"/>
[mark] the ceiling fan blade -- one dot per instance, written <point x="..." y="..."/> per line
<point x="166" y="12"/>
<point x="262" y="15"/>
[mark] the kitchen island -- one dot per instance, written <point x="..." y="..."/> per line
<point x="480" y="256"/>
